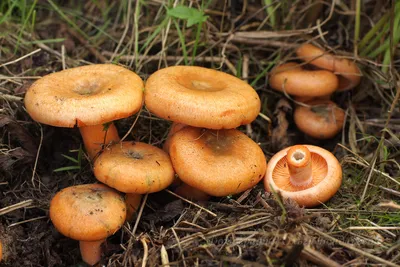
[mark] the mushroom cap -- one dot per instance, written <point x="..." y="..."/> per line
<point x="348" y="71"/>
<point x="323" y="120"/>
<point x="326" y="177"/>
<point x="218" y="163"/>
<point x="201" y="97"/>
<point x="89" y="212"/>
<point x="86" y="95"/>
<point x="134" y="167"/>
<point x="294" y="80"/>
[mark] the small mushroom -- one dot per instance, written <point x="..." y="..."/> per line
<point x="219" y="163"/>
<point x="201" y="97"/>
<point x="308" y="174"/>
<point x="1" y="250"/>
<point x="88" y="213"/>
<point x="89" y="97"/>
<point x="321" y="119"/>
<point x="134" y="168"/>
<point x="348" y="71"/>
<point x="294" y="80"/>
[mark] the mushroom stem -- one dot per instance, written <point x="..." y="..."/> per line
<point x="91" y="251"/>
<point x="299" y="165"/>
<point x="96" y="135"/>
<point x="132" y="204"/>
<point x="1" y="251"/>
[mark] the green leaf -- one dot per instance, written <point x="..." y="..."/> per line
<point x="68" y="168"/>
<point x="70" y="158"/>
<point x="191" y="15"/>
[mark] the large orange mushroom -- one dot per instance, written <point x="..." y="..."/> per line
<point x="308" y="174"/>
<point x="321" y="119"/>
<point x="134" y="168"/>
<point x="348" y="71"/>
<point x="88" y="213"/>
<point x="219" y="163"/>
<point x="90" y="97"/>
<point x="201" y="97"/>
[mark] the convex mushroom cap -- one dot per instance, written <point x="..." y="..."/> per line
<point x="321" y="119"/>
<point x="88" y="213"/>
<point x="86" y="96"/>
<point x="201" y="97"/>
<point x="134" y="167"/>
<point x="219" y="163"/>
<point x="308" y="174"/>
<point x="294" y="80"/>
<point x="348" y="71"/>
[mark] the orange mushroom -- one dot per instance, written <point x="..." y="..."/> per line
<point x="219" y="163"/>
<point x="294" y="80"/>
<point x="321" y="119"/>
<point x="348" y="71"/>
<point x="308" y="174"/>
<point x="201" y="97"/>
<point x="87" y="96"/>
<point x="88" y="213"/>
<point x="1" y="251"/>
<point x="134" y="168"/>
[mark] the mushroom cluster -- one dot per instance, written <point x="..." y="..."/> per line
<point x="204" y="148"/>
<point x="210" y="156"/>
<point x="92" y="97"/>
<point x="312" y="88"/>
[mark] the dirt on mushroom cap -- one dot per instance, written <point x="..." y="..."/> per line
<point x="322" y="120"/>
<point x="201" y="97"/>
<point x="218" y="163"/>
<point x="87" y="212"/>
<point x="87" y="95"/>
<point x="134" y="167"/>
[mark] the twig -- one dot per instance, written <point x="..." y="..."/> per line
<point x="351" y="247"/>
<point x="164" y="257"/>
<point x="26" y="221"/>
<point x="373" y="228"/>
<point x="192" y="203"/>
<point x="21" y="58"/>
<point x="37" y="156"/>
<point x="22" y="204"/>
<point x="143" y="240"/>
<point x="11" y="98"/>
<point x="318" y="258"/>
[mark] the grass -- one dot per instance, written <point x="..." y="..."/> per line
<point x="148" y="35"/>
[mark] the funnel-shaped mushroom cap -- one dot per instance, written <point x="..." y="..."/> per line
<point x="201" y="97"/>
<point x="348" y="71"/>
<point x="134" y="167"/>
<point x="294" y="80"/>
<point x="83" y="96"/>
<point x="218" y="163"/>
<point x="88" y="212"/>
<point x="308" y="174"/>
<point x="322" y="119"/>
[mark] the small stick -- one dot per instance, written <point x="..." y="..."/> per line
<point x="37" y="156"/>
<point x="145" y="252"/>
<point x="351" y="247"/>
<point x="190" y="202"/>
<point x="318" y="258"/>
<point x="11" y="98"/>
<point x="26" y="221"/>
<point x="21" y="58"/>
<point x="22" y="204"/>
<point x="164" y="257"/>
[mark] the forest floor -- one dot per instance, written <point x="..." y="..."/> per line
<point x="359" y="226"/>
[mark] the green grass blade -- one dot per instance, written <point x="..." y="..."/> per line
<point x="182" y="40"/>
